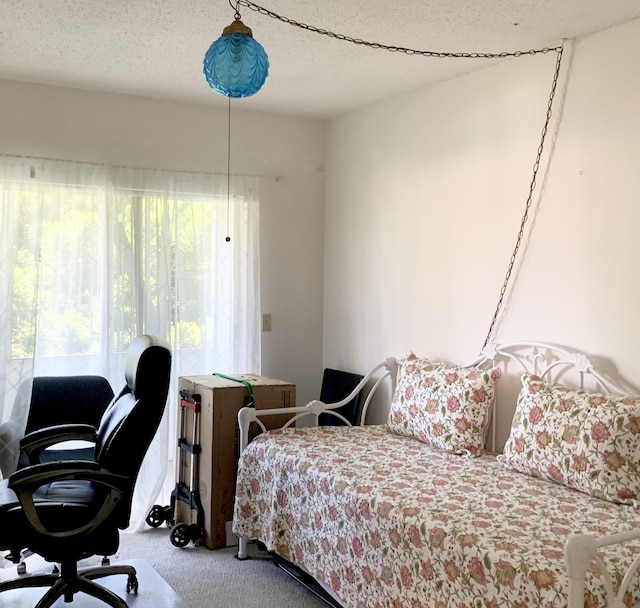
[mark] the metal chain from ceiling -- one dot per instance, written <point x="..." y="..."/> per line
<point x="377" y="45"/>
<point x="442" y="54"/>
<point x="532" y="187"/>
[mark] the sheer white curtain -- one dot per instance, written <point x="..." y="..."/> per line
<point x="93" y="256"/>
<point x="43" y="308"/>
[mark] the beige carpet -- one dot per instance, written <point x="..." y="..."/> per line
<point x="211" y="579"/>
<point x="200" y="577"/>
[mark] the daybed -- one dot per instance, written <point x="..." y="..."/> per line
<point x="418" y="513"/>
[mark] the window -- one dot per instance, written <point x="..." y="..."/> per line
<point x="92" y="256"/>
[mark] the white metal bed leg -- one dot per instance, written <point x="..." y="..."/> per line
<point x="242" y="549"/>
<point x="579" y="550"/>
<point x="245" y="416"/>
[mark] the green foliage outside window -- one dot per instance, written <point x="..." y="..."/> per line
<point x="67" y="257"/>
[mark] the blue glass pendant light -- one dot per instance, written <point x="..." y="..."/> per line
<point x="236" y="65"/>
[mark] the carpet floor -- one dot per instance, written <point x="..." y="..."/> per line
<point x="200" y="577"/>
<point x="212" y="579"/>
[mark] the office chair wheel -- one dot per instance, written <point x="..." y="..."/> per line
<point x="156" y="516"/>
<point x="132" y="584"/>
<point x="180" y="535"/>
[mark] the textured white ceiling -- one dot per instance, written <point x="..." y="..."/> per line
<point x="155" y="48"/>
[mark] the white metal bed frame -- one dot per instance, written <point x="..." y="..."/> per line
<point x="547" y="361"/>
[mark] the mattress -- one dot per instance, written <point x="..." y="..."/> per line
<point x="385" y="520"/>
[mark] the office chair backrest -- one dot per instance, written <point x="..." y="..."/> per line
<point x="67" y="400"/>
<point x="131" y="421"/>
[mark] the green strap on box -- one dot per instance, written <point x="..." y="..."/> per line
<point x="249" y="398"/>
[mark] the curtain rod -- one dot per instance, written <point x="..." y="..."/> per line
<point x="277" y="178"/>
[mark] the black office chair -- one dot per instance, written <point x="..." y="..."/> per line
<point x="67" y="511"/>
<point x="336" y="385"/>
<point x="57" y="400"/>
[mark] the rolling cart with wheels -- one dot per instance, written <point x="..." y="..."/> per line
<point x="183" y="533"/>
<point x="202" y="504"/>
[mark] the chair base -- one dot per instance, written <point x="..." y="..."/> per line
<point x="70" y="581"/>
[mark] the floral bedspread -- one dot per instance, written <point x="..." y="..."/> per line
<point x="384" y="520"/>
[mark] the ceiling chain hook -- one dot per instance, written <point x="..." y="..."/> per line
<point x="236" y="7"/>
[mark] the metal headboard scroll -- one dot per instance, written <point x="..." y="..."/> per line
<point x="543" y="359"/>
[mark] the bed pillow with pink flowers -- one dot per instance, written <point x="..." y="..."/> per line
<point x="587" y="441"/>
<point x="446" y="407"/>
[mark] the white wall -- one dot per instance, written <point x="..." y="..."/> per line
<point x="287" y="152"/>
<point x="424" y="196"/>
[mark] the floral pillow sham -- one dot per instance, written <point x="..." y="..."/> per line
<point x="587" y="441"/>
<point x="444" y="406"/>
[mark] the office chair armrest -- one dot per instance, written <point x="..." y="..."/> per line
<point x="33" y="444"/>
<point x="25" y="482"/>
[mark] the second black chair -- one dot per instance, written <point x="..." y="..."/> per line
<point x="58" y="400"/>
<point x="336" y="385"/>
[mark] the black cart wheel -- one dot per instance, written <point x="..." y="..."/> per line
<point x="156" y="516"/>
<point x="180" y="535"/>
<point x="169" y="519"/>
<point x="195" y="533"/>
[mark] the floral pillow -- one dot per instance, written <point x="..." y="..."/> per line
<point x="587" y="441"/>
<point x="446" y="407"/>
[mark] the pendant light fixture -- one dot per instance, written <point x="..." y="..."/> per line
<point x="236" y="65"/>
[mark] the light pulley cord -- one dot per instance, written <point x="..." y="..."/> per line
<point x="228" y="237"/>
